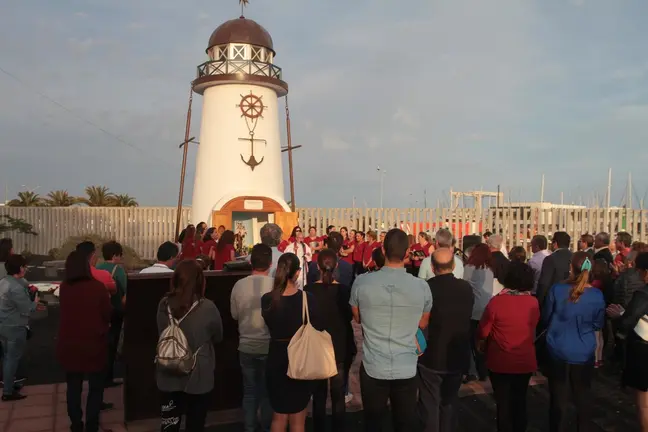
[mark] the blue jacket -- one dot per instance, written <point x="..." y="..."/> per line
<point x="572" y="326"/>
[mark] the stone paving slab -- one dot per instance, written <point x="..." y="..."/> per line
<point x="45" y="410"/>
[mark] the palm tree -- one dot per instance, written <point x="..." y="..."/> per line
<point x="123" y="200"/>
<point x="26" y="199"/>
<point x="98" y="196"/>
<point x="60" y="198"/>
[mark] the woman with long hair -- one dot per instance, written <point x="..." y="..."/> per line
<point x="282" y="312"/>
<point x="188" y="248"/>
<point x="284" y="243"/>
<point x="200" y="321"/>
<point x="348" y="245"/>
<point x="209" y="242"/>
<point x="82" y="343"/>
<point x="480" y="273"/>
<point x="224" y="250"/>
<point x="332" y="300"/>
<point x="200" y="234"/>
<point x="304" y="253"/>
<point x="574" y="312"/>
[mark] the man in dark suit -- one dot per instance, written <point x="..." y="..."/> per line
<point x="501" y="262"/>
<point x="555" y="268"/>
<point x="586" y="244"/>
<point x="602" y="247"/>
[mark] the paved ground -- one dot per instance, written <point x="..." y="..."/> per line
<point x="44" y="409"/>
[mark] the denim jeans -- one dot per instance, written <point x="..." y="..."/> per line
<point x="93" y="404"/>
<point x="14" y="340"/>
<point x="255" y="395"/>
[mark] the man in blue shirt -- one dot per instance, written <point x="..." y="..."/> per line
<point x="391" y="305"/>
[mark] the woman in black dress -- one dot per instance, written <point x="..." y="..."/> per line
<point x="282" y="311"/>
<point x="632" y="324"/>
<point x="332" y="300"/>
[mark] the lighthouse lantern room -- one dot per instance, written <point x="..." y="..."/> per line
<point x="239" y="176"/>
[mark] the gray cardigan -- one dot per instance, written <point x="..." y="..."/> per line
<point x="202" y="327"/>
<point x="15" y="304"/>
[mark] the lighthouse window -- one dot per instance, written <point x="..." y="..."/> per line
<point x="258" y="54"/>
<point x="221" y="53"/>
<point x="238" y="52"/>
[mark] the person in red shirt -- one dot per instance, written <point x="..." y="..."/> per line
<point x="348" y="244"/>
<point x="506" y="333"/>
<point x="358" y="252"/>
<point x="284" y="243"/>
<point x="314" y="242"/>
<point x="419" y="251"/>
<point x="372" y="243"/>
<point x="190" y="249"/>
<point x="209" y="242"/>
<point x="224" y="250"/>
<point x="89" y="250"/>
<point x="82" y="343"/>
<point x="623" y="244"/>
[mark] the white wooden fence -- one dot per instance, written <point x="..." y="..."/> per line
<point x="145" y="228"/>
<point x="142" y="228"/>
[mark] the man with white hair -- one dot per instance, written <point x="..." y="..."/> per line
<point x="271" y="236"/>
<point x="444" y="240"/>
<point x="495" y="243"/>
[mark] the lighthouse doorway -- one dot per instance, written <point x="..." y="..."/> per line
<point x="248" y="225"/>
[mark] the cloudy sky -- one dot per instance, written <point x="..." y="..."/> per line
<point x="462" y="94"/>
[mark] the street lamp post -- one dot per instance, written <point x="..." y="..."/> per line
<point x="381" y="173"/>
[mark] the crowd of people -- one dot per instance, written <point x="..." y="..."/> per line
<point x="485" y="314"/>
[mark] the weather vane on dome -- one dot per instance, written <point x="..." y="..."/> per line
<point x="243" y="4"/>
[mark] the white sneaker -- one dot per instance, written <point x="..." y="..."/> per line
<point x="348" y="398"/>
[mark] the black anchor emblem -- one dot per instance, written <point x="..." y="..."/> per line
<point x="252" y="162"/>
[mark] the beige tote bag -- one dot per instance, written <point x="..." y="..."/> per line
<point x="310" y="352"/>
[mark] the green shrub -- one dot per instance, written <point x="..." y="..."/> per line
<point x="130" y="259"/>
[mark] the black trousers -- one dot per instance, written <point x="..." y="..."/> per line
<point x="358" y="268"/>
<point x="478" y="358"/>
<point x="337" y="390"/>
<point x="565" y="380"/>
<point x="116" y="322"/>
<point x="93" y="405"/>
<point x="438" y="396"/>
<point x="375" y="394"/>
<point x="175" y="405"/>
<point x="510" y="393"/>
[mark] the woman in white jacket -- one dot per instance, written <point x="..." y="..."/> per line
<point x="305" y="255"/>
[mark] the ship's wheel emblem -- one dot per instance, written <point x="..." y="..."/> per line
<point x="251" y="106"/>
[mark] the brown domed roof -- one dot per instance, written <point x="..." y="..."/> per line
<point x="241" y="30"/>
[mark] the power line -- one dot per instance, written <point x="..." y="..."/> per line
<point x="77" y="116"/>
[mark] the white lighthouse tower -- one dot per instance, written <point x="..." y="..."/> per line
<point x="239" y="175"/>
